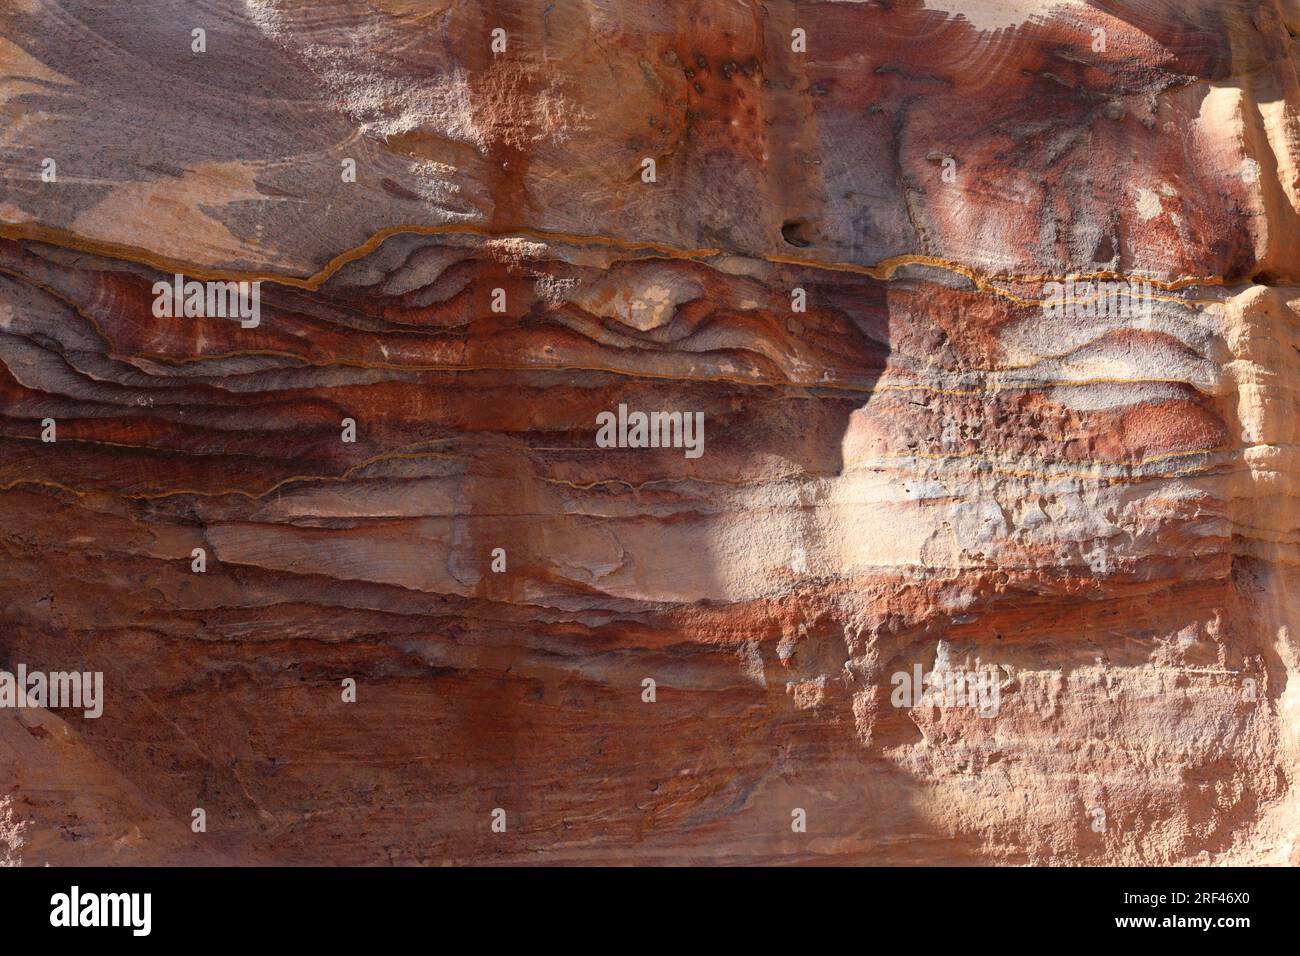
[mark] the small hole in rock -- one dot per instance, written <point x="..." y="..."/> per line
<point x="796" y="233"/>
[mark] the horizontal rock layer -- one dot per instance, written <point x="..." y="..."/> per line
<point x="913" y="456"/>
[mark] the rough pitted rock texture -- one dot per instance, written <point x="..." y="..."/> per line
<point x="925" y="468"/>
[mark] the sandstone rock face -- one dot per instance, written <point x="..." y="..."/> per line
<point x="924" y="453"/>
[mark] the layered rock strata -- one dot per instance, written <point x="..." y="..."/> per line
<point x="989" y="311"/>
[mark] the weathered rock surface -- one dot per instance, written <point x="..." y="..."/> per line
<point x="925" y="468"/>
